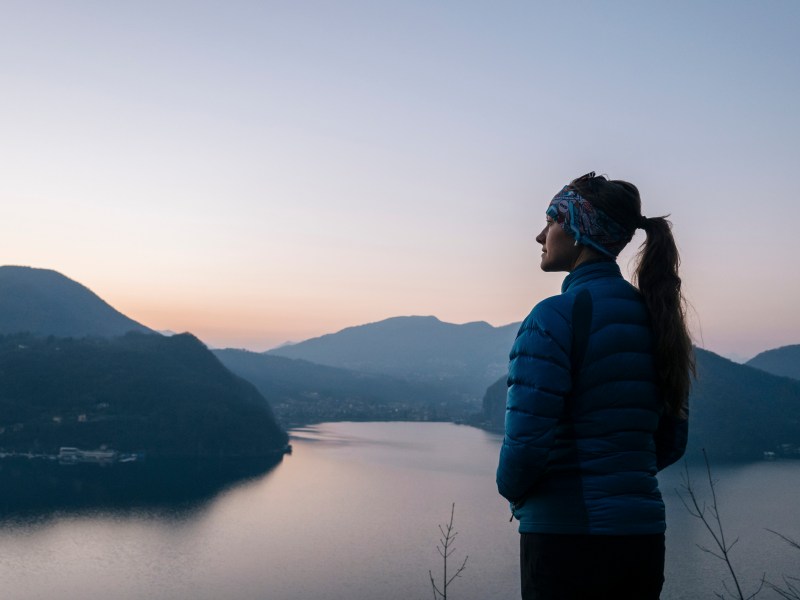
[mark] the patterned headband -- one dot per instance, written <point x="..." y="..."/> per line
<point x="589" y="226"/>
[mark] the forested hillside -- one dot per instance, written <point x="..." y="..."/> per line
<point x="140" y="392"/>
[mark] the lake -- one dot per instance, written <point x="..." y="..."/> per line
<point x="352" y="513"/>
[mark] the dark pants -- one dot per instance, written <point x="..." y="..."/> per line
<point x="591" y="567"/>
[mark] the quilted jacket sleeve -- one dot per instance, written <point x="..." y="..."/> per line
<point x="671" y="437"/>
<point x="538" y="379"/>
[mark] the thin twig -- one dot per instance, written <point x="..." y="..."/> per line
<point x="788" y="540"/>
<point x="791" y="589"/>
<point x="713" y="525"/>
<point x="446" y="549"/>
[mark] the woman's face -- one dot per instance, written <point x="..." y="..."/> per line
<point x="559" y="252"/>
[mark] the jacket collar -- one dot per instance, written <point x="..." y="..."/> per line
<point x="589" y="271"/>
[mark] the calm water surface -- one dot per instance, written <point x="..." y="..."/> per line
<point x="353" y="514"/>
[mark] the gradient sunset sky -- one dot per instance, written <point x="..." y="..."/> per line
<point x="256" y="172"/>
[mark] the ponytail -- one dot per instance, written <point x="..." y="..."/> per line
<point x="657" y="278"/>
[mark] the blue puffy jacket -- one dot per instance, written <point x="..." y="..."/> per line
<point x="581" y="450"/>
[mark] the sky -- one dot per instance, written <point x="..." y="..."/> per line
<point x="258" y="172"/>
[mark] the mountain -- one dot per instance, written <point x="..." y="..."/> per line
<point x="463" y="358"/>
<point x="784" y="361"/>
<point x="737" y="412"/>
<point x="167" y="396"/>
<point x="302" y="392"/>
<point x="44" y="302"/>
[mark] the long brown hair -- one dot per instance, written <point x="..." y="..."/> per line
<point x="657" y="278"/>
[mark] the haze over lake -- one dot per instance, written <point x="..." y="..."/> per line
<point x="352" y="514"/>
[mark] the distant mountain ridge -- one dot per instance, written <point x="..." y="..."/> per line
<point x="45" y="302"/>
<point x="783" y="361"/>
<point x="171" y="394"/>
<point x="465" y="358"/>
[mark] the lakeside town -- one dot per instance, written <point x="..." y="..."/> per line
<point x="69" y="455"/>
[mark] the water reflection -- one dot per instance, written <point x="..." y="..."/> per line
<point x="32" y="489"/>
<point x="322" y="435"/>
<point x="348" y="514"/>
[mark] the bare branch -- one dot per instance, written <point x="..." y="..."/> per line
<point x="712" y="520"/>
<point x="433" y="584"/>
<point x="446" y="549"/>
<point x="461" y="568"/>
<point x="791" y="591"/>
<point x="711" y="552"/>
<point x="760" y="587"/>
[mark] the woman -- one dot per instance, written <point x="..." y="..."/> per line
<point x="597" y="402"/>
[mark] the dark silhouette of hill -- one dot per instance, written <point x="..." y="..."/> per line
<point x="783" y="361"/>
<point x="302" y="392"/>
<point x="44" y="302"/>
<point x="464" y="358"/>
<point x="167" y="396"/>
<point x="737" y="412"/>
<point x="494" y="406"/>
